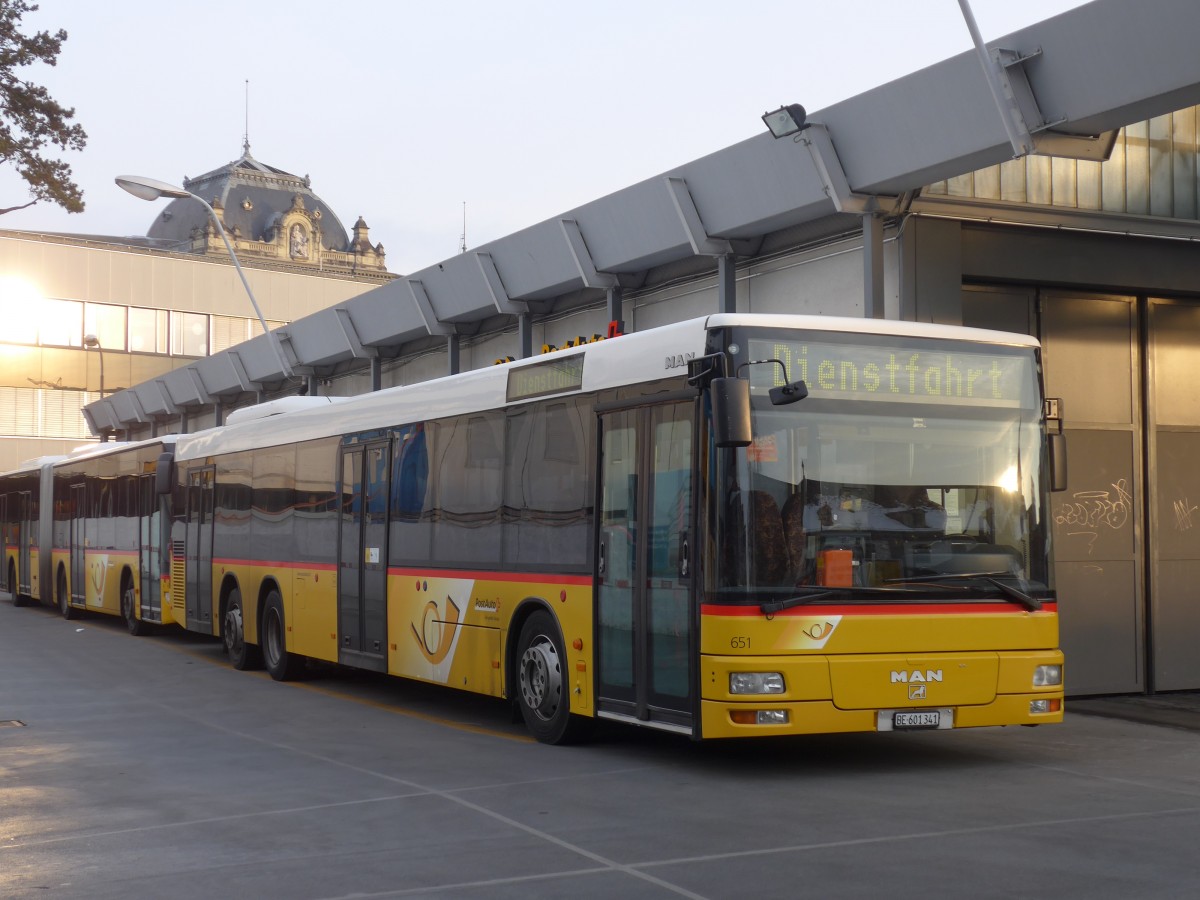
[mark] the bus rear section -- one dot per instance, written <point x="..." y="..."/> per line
<point x="881" y="556"/>
<point x="25" y="504"/>
<point x="110" y="533"/>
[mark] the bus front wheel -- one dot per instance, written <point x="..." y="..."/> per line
<point x="542" y="682"/>
<point x="241" y="654"/>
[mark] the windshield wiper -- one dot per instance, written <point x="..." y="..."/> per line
<point x="771" y="607"/>
<point x="991" y="578"/>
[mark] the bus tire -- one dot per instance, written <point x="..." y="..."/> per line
<point x="242" y="654"/>
<point x="280" y="665"/>
<point x="128" y="611"/>
<point x="543" y="687"/>
<point x="64" y="598"/>
<point x="17" y="599"/>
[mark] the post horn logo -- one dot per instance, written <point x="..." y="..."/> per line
<point x="436" y="635"/>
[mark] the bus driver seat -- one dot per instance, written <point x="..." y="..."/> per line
<point x="794" y="536"/>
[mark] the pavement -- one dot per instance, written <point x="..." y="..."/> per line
<point x="1173" y="710"/>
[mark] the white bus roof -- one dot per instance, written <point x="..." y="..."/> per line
<point x="32" y="465"/>
<point x="642" y="356"/>
<point x="108" y="448"/>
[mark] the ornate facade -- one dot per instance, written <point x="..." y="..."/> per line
<point x="272" y="218"/>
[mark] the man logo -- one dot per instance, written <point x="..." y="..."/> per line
<point x="916" y="692"/>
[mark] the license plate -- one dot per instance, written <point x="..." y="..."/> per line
<point x="925" y="719"/>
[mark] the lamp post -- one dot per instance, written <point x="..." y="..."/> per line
<point x="151" y="189"/>
<point x="90" y="341"/>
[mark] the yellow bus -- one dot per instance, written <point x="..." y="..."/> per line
<point x="110" y="523"/>
<point x="25" y="533"/>
<point x="738" y="525"/>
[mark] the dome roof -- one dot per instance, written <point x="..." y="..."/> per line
<point x="251" y="197"/>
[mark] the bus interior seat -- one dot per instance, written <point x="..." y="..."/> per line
<point x="770" y="549"/>
<point x="793" y="534"/>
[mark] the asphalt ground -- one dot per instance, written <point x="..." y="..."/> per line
<point x="147" y="767"/>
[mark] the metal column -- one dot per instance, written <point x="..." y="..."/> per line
<point x="727" y="283"/>
<point x="872" y="266"/>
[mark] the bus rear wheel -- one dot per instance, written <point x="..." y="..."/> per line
<point x="64" y="599"/>
<point x="17" y="599"/>
<point x="129" y="609"/>
<point x="281" y="665"/>
<point x="241" y="654"/>
<point x="542" y="684"/>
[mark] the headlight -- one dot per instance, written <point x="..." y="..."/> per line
<point x="756" y="683"/>
<point x="1046" y="676"/>
<point x="759" y="716"/>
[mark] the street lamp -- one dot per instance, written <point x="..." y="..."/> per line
<point x="786" y="120"/>
<point x="89" y="341"/>
<point x="150" y="189"/>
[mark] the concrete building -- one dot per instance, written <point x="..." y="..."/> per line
<point x="1049" y="186"/>
<point x="153" y="304"/>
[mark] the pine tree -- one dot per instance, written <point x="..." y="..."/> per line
<point x="30" y="118"/>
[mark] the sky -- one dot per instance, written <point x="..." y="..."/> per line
<point x="402" y="112"/>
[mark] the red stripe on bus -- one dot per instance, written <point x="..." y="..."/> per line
<point x="272" y="563"/>
<point x="529" y="577"/>
<point x="875" y="609"/>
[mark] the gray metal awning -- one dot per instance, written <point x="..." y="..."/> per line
<point x="1075" y="76"/>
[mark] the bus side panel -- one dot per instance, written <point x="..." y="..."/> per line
<point x="35" y="571"/>
<point x="104" y="568"/>
<point x="311" y="613"/>
<point x="453" y="631"/>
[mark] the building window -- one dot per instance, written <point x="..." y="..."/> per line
<point x="189" y="334"/>
<point x="148" y="330"/>
<point x="61" y="323"/>
<point x="107" y="323"/>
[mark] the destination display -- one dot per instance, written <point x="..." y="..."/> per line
<point x="550" y="377"/>
<point x="928" y="374"/>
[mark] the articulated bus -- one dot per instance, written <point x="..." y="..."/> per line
<point x="24" y="493"/>
<point x="89" y="532"/>
<point x="733" y="526"/>
<point x="111" y="521"/>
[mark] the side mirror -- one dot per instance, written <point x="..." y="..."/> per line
<point x="1057" y="444"/>
<point x="731" y="412"/>
<point x="1058" y="462"/>
<point x="788" y="393"/>
<point x="164" y="472"/>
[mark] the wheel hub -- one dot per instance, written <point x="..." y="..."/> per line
<point x="541" y="678"/>
<point x="233" y="631"/>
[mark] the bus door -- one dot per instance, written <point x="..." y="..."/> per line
<point x="149" y="549"/>
<point x="27" y="530"/>
<point x="363" y="556"/>
<point x="199" y="549"/>
<point x="643" y="561"/>
<point x="78" y="544"/>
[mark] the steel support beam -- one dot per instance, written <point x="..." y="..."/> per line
<point x="615" y="299"/>
<point x="583" y="259"/>
<point x="525" y="334"/>
<point x="425" y="309"/>
<point x="872" y="266"/>
<point x="727" y="283"/>
<point x="693" y="225"/>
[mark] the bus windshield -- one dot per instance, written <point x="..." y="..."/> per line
<point x="913" y="471"/>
